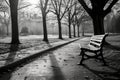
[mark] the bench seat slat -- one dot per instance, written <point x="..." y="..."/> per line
<point x="89" y="47"/>
<point x="96" y="40"/>
<point x="95" y="44"/>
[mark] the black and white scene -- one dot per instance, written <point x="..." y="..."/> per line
<point x="59" y="39"/>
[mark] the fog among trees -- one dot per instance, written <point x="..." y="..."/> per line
<point x="72" y="18"/>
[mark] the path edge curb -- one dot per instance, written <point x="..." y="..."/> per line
<point x="13" y="65"/>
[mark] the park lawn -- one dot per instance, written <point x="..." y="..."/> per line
<point x="26" y="42"/>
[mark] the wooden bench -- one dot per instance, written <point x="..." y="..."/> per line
<point x="94" y="49"/>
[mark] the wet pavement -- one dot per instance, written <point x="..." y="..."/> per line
<point x="61" y="64"/>
<point x="15" y="53"/>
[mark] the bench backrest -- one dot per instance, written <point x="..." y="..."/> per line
<point x="97" y="41"/>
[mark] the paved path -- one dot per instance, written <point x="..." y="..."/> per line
<point x="15" y="56"/>
<point x="61" y="64"/>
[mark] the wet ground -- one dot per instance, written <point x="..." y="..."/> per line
<point x="61" y="64"/>
<point x="10" y="53"/>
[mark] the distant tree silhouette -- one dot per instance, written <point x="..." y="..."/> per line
<point x="5" y="9"/>
<point x="98" y="10"/>
<point x="14" y="21"/>
<point x="80" y="18"/>
<point x="114" y="24"/>
<point x="74" y="20"/>
<point x="6" y="19"/>
<point x="59" y="8"/>
<point x="70" y="15"/>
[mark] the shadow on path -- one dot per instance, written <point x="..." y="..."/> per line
<point x="113" y="47"/>
<point x="57" y="73"/>
<point x="12" y="53"/>
<point x="112" y="70"/>
<point x="9" y="59"/>
<point x="105" y="74"/>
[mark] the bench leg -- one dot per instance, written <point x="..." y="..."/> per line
<point x="101" y="53"/>
<point x="82" y="54"/>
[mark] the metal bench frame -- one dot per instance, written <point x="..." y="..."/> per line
<point x="95" y="47"/>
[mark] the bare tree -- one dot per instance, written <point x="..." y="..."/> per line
<point x="6" y="22"/>
<point x="60" y="7"/>
<point x="5" y="10"/>
<point x="80" y="18"/>
<point x="70" y="15"/>
<point x="44" y="10"/>
<point x="74" y="17"/>
<point x="74" y="20"/>
<point x="13" y="4"/>
<point x="97" y="11"/>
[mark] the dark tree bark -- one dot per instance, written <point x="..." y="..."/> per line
<point x="14" y="21"/>
<point x="78" y="30"/>
<point x="59" y="26"/>
<point x="45" y="38"/>
<point x="97" y="13"/>
<point x="98" y="23"/>
<point x="69" y="23"/>
<point x="74" y="30"/>
<point x="69" y="27"/>
<point x="69" y="31"/>
<point x="83" y="31"/>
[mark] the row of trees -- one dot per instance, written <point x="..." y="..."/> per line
<point x="68" y="10"/>
<point x="10" y="9"/>
<point x="73" y="13"/>
<point x="97" y="11"/>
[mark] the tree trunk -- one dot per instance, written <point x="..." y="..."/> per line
<point x="74" y="32"/>
<point x="78" y="31"/>
<point x="83" y="30"/>
<point x="7" y="26"/>
<point x="69" y="31"/>
<point x="98" y="23"/>
<point x="14" y="21"/>
<point x="45" y="38"/>
<point x="59" y="28"/>
<point x="69" y="23"/>
<point x="69" y="26"/>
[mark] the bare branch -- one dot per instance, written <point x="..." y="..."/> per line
<point x="54" y="5"/>
<point x="24" y="6"/>
<point x="7" y="2"/>
<point x="53" y="12"/>
<point x="60" y="3"/>
<point x="110" y="6"/>
<point x="82" y="2"/>
<point x="68" y="6"/>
